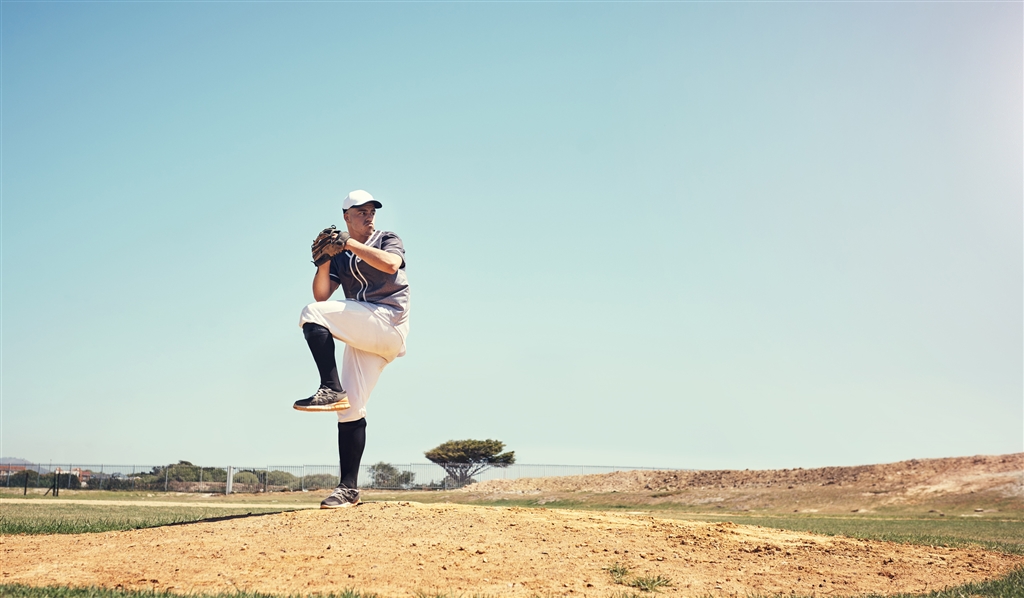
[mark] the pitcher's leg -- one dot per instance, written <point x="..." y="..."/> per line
<point x="329" y="396"/>
<point x="321" y="345"/>
<point x="360" y="371"/>
<point x="356" y="325"/>
<point x="351" y="442"/>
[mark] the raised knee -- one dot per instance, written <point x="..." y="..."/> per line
<point x="314" y="330"/>
<point x="311" y="311"/>
<point x="311" y="314"/>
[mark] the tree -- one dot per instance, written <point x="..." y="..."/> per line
<point x="463" y="459"/>
<point x="282" y="478"/>
<point x="386" y="475"/>
<point x="246" y="477"/>
<point x="317" y="481"/>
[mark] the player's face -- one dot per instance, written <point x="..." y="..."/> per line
<point x="360" y="220"/>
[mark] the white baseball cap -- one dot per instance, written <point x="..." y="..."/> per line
<point x="358" y="198"/>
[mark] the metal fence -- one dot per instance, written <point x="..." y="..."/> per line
<point x="186" y="477"/>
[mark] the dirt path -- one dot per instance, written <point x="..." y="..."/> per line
<point x="397" y="549"/>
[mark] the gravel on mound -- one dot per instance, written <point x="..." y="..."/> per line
<point x="398" y="549"/>
<point x="952" y="475"/>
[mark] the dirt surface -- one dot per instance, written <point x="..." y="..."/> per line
<point x="400" y="548"/>
<point x="932" y="481"/>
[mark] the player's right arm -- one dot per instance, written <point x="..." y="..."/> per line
<point x="323" y="286"/>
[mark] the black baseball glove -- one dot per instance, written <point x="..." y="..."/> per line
<point x="329" y="243"/>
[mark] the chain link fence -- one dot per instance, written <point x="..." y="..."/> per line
<point x="186" y="477"/>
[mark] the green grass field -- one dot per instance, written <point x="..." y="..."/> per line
<point x="80" y="519"/>
<point x="1004" y="535"/>
<point x="272" y="498"/>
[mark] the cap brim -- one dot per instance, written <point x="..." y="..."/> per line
<point x="375" y="203"/>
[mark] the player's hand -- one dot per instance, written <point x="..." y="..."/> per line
<point x="329" y="243"/>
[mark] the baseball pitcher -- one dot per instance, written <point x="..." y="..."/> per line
<point x="372" y="321"/>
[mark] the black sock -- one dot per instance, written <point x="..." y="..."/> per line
<point x="351" y="441"/>
<point x="321" y="345"/>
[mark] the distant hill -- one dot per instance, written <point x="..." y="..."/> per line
<point x="983" y="481"/>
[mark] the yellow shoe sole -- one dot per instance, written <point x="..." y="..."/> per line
<point x="339" y="406"/>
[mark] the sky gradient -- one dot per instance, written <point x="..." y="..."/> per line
<point x="699" y="235"/>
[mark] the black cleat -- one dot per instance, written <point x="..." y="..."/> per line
<point x="324" y="399"/>
<point x="341" y="497"/>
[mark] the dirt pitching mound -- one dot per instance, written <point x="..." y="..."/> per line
<point x="906" y="479"/>
<point x="398" y="549"/>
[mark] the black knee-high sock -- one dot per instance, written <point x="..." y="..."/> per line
<point x="351" y="441"/>
<point x="321" y="345"/>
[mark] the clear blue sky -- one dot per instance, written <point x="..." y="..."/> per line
<point x="709" y="235"/>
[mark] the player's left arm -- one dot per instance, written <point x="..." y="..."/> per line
<point x="385" y="261"/>
<point x="323" y="286"/>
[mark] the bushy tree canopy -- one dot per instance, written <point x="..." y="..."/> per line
<point x="463" y="459"/>
<point x="184" y="471"/>
<point x="386" y="475"/>
<point x="246" y="477"/>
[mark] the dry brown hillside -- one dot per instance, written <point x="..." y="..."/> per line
<point x="932" y="481"/>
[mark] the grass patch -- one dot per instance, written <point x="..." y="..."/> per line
<point x="650" y="583"/>
<point x="260" y="498"/>
<point x="1004" y="535"/>
<point x="57" y="518"/>
<point x="618" y="571"/>
<point x="1011" y="586"/>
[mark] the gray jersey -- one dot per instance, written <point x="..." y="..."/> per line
<point x="362" y="282"/>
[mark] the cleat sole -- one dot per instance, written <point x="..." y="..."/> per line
<point x="341" y="506"/>
<point x="339" y="406"/>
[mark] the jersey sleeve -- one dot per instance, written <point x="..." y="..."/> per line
<point x="392" y="243"/>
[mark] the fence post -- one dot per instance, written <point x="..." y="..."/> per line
<point x="231" y="474"/>
<point x="266" y="481"/>
<point x="302" y="479"/>
<point x="200" y="478"/>
<point x="165" y="478"/>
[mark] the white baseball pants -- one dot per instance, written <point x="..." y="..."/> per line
<point x="370" y="344"/>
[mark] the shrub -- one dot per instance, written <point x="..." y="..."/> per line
<point x="245" y="477"/>
<point x="386" y="475"/>
<point x="318" y="481"/>
<point x="282" y="478"/>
